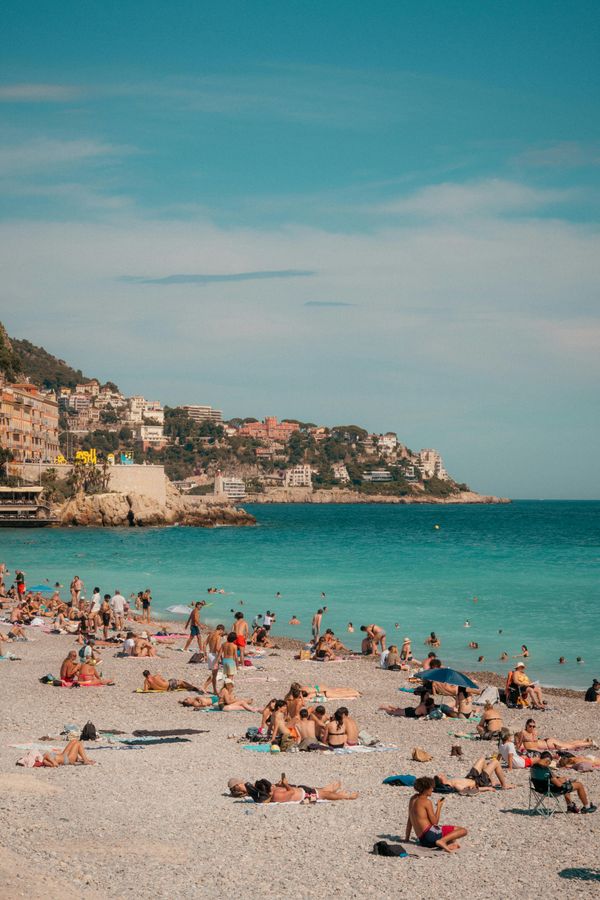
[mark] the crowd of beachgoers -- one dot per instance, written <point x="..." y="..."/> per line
<point x="306" y="716"/>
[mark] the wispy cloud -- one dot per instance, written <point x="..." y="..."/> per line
<point x="43" y="153"/>
<point x="491" y="197"/>
<point x="224" y="277"/>
<point x="321" y="303"/>
<point x="38" y="93"/>
<point x="562" y="155"/>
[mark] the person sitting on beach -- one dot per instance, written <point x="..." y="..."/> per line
<point x="391" y="659"/>
<point x="509" y="753"/>
<point x="319" y="716"/>
<point x="69" y="670"/>
<point x="376" y="634"/>
<point x="490" y="723"/>
<point x="260" y="638"/>
<point x="89" y="677"/>
<point x="406" y="650"/>
<point x="349" y="724"/>
<point x="426" y="664"/>
<point x="267" y="713"/>
<point x="423" y="708"/>
<point x="307" y="732"/>
<point x="432" y="640"/>
<point x="543" y="780"/>
<point x="142" y="646"/>
<point x="72" y="754"/>
<point x="323" y="651"/>
<point x="482" y="776"/>
<point x="592" y="695"/>
<point x="228" y="702"/>
<point x="439" y="687"/>
<point x="529" y="740"/>
<point x="263" y="791"/>
<point x="158" y="683"/>
<point x="424" y="820"/>
<point x="463" y="707"/>
<point x="532" y="692"/>
<point x="334" y="642"/>
<point x="336" y="734"/>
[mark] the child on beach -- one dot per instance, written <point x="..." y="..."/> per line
<point x="423" y="819"/>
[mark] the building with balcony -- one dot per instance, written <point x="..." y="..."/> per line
<point x="28" y="423"/>
<point x="377" y="475"/>
<point x="200" y="413"/>
<point x="269" y="429"/>
<point x="298" y="476"/>
<point x="229" y="486"/>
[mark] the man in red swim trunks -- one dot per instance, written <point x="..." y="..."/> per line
<point x="240" y="627"/>
<point x="20" y="581"/>
<point x="424" y="820"/>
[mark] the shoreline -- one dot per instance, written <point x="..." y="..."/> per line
<point x="345" y="496"/>
<point x="496" y="679"/>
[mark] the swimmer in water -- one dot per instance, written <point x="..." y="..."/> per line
<point x="524" y="652"/>
<point x="580" y="659"/>
<point x="473" y="645"/>
<point x="481" y="659"/>
<point x="350" y="627"/>
<point x="562" y="661"/>
<point x="504" y="657"/>
<point x="397" y="625"/>
<point x="294" y="621"/>
<point x="278" y="595"/>
<point x="467" y="624"/>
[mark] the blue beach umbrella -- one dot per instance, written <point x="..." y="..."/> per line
<point x="447" y="676"/>
<point x="41" y="589"/>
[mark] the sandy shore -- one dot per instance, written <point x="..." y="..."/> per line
<point x="157" y="822"/>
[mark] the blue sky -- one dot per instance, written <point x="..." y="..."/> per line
<point x="383" y="213"/>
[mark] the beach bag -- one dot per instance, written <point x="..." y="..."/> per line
<point x="420" y="755"/>
<point x="88" y="732"/>
<point x="196" y="658"/>
<point x="456" y="750"/>
<point x="435" y="714"/>
<point x="382" y="848"/>
<point x="367" y="740"/>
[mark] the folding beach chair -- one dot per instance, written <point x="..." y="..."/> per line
<point x="543" y="800"/>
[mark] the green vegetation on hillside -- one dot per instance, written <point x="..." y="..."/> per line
<point x="44" y="369"/>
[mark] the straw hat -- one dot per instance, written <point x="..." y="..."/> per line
<point x="520" y="665"/>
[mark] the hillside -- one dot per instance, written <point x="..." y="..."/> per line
<point x="22" y="359"/>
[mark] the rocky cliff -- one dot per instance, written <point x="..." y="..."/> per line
<point x="345" y="495"/>
<point x="118" y="509"/>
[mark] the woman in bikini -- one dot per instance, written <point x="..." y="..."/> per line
<point x="70" y="756"/>
<point x="490" y="724"/>
<point x="321" y="690"/>
<point x="529" y="740"/>
<point x="335" y="733"/>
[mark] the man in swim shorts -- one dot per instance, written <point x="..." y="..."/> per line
<point x="193" y="623"/>
<point x="240" y="628"/>
<point x="158" y="683"/>
<point x="213" y="649"/>
<point x="228" y="655"/>
<point x="424" y="820"/>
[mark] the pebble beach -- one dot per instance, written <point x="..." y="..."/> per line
<point x="158" y="821"/>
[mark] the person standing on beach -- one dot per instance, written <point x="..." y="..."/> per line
<point x="20" y="582"/>
<point x="117" y="604"/>
<point x="213" y="655"/>
<point x="316" y="625"/>
<point x="240" y="627"/>
<point x="193" y="623"/>
<point x="76" y="588"/>
<point x="146" y="603"/>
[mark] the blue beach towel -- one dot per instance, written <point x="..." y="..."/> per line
<point x="401" y="780"/>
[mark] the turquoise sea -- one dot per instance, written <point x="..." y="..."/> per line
<point x="533" y="566"/>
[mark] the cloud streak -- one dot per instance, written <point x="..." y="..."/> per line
<point x="325" y="303"/>
<point x="260" y="275"/>
<point x="38" y="93"/>
<point x="41" y="154"/>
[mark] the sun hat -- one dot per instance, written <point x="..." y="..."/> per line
<point x="520" y="665"/>
<point x="228" y="681"/>
<point x="233" y="782"/>
<point x="406" y="639"/>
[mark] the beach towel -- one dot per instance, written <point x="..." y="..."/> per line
<point x="170" y="732"/>
<point x="381" y="748"/>
<point x="144" y="691"/>
<point x="407" y="690"/>
<point x="403" y="780"/>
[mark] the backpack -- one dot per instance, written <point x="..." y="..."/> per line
<point x="88" y="732"/>
<point x="382" y="848"/>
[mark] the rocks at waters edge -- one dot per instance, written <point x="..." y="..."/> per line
<point x="345" y="495"/>
<point x="118" y="509"/>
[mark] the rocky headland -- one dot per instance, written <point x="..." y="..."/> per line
<point x="132" y="509"/>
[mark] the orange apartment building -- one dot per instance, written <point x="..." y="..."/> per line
<point x="270" y="429"/>
<point x="28" y="423"/>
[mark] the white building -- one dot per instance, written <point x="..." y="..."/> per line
<point x="150" y="435"/>
<point x="430" y="464"/>
<point x="340" y="473"/>
<point x="388" y="442"/>
<point x="298" y="476"/>
<point x="203" y="413"/>
<point x="153" y="410"/>
<point x="229" y="486"/>
<point x="377" y="475"/>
